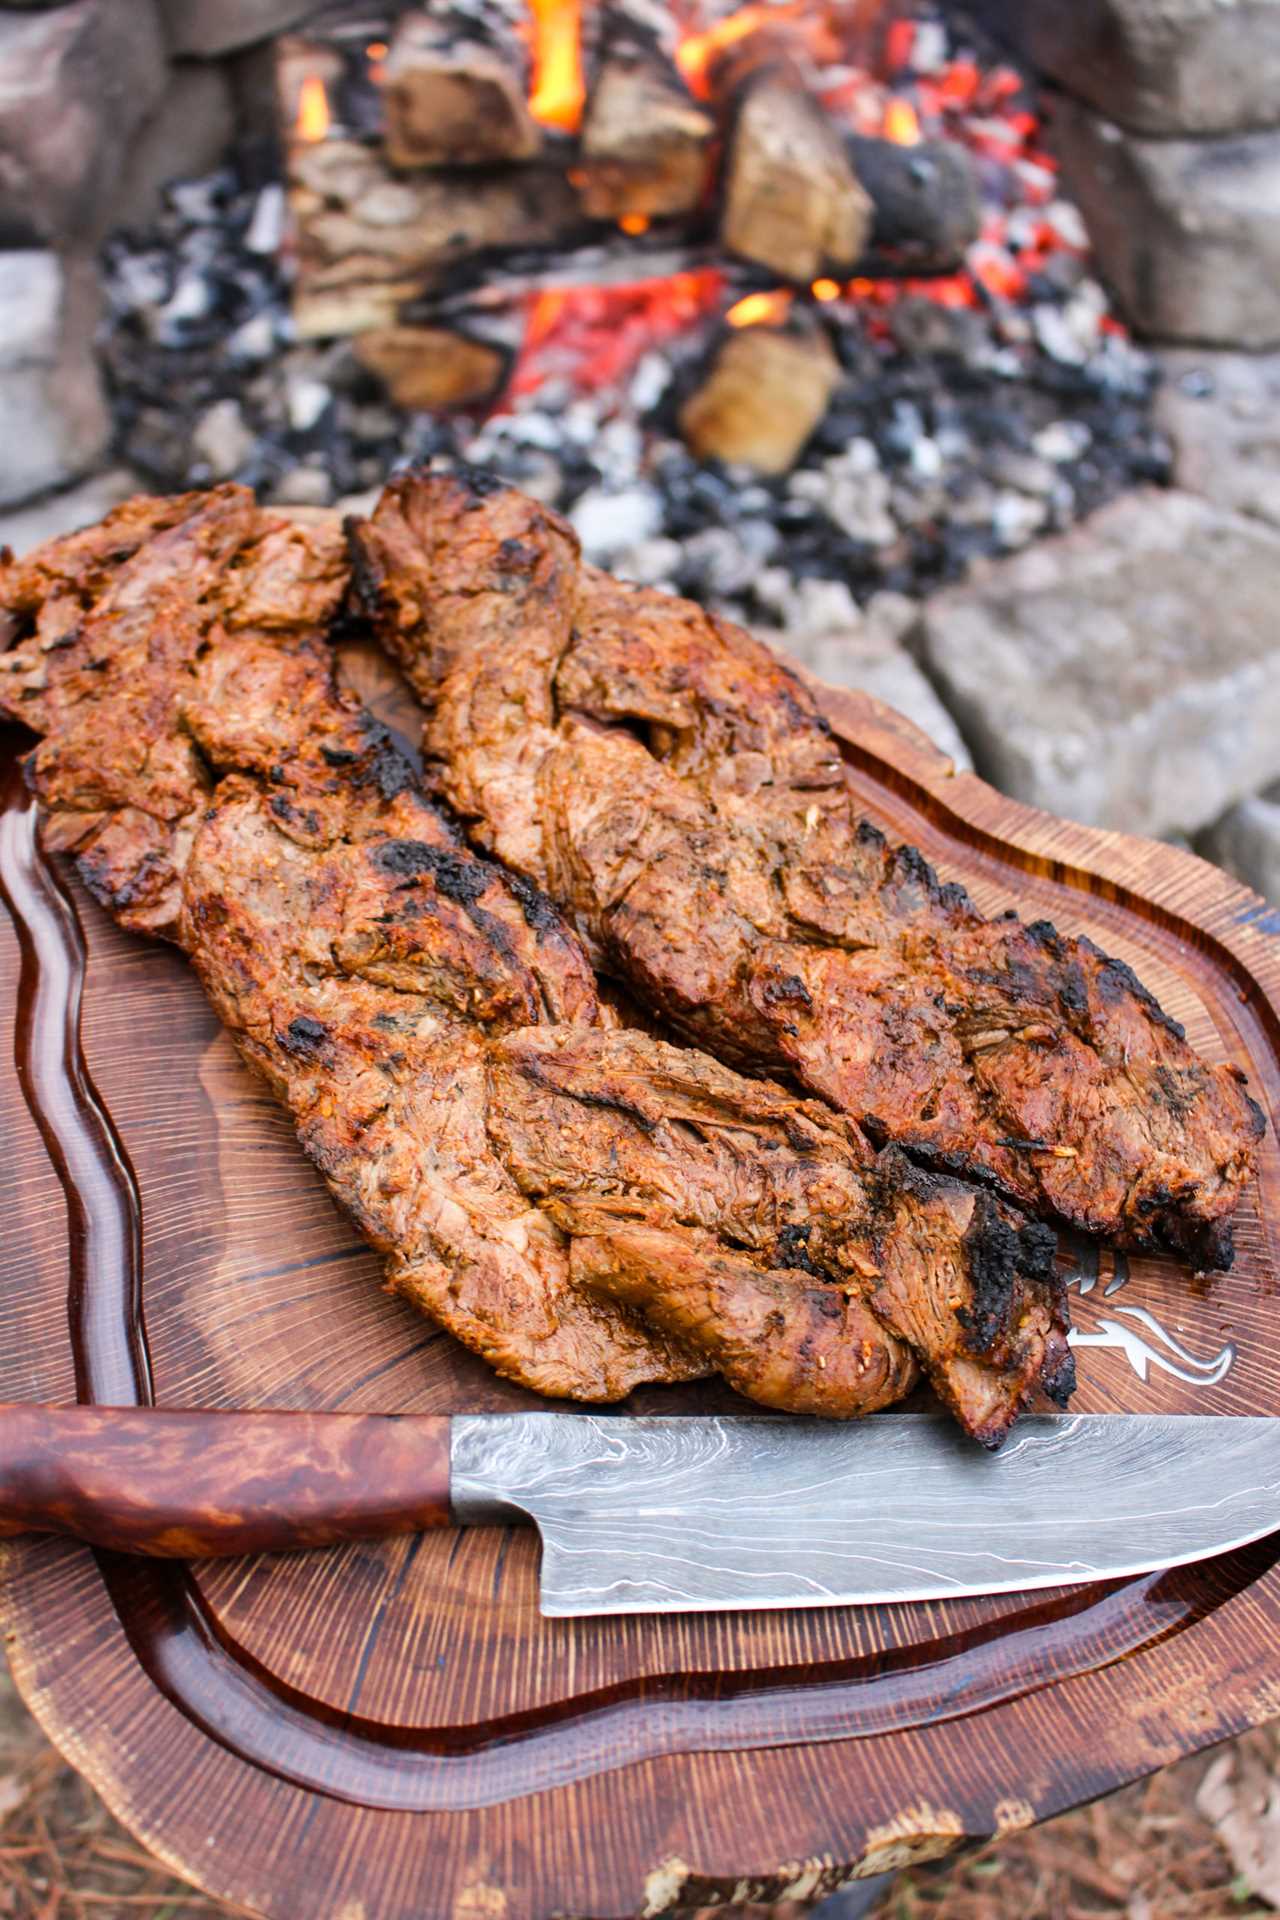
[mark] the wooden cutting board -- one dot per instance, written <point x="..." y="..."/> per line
<point x="392" y="1732"/>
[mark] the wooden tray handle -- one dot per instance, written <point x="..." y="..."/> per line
<point x="191" y="1484"/>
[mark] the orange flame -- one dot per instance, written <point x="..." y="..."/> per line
<point x="902" y="123"/>
<point x="312" y="122"/>
<point x="634" y="223"/>
<point x="825" y="290"/>
<point x="558" y="90"/>
<point x="754" y="309"/>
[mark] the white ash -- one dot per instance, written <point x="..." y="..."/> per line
<point x="1062" y="440"/>
<point x="954" y="435"/>
<point x="608" y="523"/>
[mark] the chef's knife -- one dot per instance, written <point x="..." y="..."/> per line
<point x="667" y="1515"/>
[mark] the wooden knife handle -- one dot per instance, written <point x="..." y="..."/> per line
<point x="190" y="1484"/>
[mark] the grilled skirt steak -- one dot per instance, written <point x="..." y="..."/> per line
<point x="583" y="1204"/>
<point x="677" y="793"/>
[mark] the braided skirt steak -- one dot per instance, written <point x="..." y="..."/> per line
<point x="583" y="1204"/>
<point x="677" y="793"/>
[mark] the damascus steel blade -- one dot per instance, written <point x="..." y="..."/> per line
<point x="676" y="1515"/>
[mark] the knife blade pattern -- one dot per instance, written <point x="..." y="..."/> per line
<point x="671" y="1515"/>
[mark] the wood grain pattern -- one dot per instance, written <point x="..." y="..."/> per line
<point x="390" y="1729"/>
<point x="182" y="1483"/>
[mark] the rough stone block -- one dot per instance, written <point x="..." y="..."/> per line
<point x="188" y="134"/>
<point x="1246" y="841"/>
<point x="75" y="85"/>
<point x="67" y="512"/>
<point x="1127" y="674"/>
<point x="1221" y="412"/>
<point x="1186" y="231"/>
<point x="53" y="417"/>
<point x="220" y="26"/>
<point x="1159" y="66"/>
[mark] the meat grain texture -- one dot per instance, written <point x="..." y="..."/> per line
<point x="584" y="1204"/>
<point x="677" y="793"/>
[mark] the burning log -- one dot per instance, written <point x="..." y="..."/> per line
<point x="766" y="391"/>
<point x="926" y="201"/>
<point x="433" y="369"/>
<point x="455" y="87"/>
<point x="791" y="200"/>
<point x="646" y="143"/>
<point x="367" y="241"/>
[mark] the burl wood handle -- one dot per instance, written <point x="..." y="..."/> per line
<point x="191" y="1485"/>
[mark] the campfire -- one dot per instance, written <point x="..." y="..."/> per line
<point x="483" y="193"/>
<point x="783" y="305"/>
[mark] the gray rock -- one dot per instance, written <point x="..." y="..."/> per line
<point x="650" y="563"/>
<point x="1221" y="412"/>
<point x="1062" y="440"/>
<point x="270" y="217"/>
<point x="75" y="86"/>
<point x="67" y="512"/>
<point x="858" y="501"/>
<point x="1187" y="232"/>
<point x="53" y="416"/>
<point x="815" y="606"/>
<point x="719" y="562"/>
<point x="856" y="656"/>
<point x="1015" y="517"/>
<point x="890" y="617"/>
<point x="219" y="26"/>
<point x="1126" y="674"/>
<point x="1160" y="66"/>
<point x="222" y="439"/>
<point x="1246" y="841"/>
<point x="188" y="133"/>
<point x="303" y="487"/>
<point x="609" y="523"/>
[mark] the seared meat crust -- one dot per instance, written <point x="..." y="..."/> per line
<point x="678" y="794"/>
<point x="582" y="1203"/>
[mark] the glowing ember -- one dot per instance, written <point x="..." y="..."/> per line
<point x="901" y="123"/>
<point x="558" y="90"/>
<point x="756" y="309"/>
<point x="313" y="117"/>
<point x="899" y="44"/>
<point x="594" y="336"/>
<point x="634" y="223"/>
<point x="806" y="24"/>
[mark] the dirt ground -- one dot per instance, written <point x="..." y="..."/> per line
<point x="1147" y="1853"/>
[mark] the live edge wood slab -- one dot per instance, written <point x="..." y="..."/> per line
<point x="391" y="1732"/>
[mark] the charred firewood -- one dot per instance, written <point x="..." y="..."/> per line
<point x="646" y="143"/>
<point x="368" y="241"/>
<point x="926" y="202"/>
<point x="765" y="392"/>
<point x="432" y="369"/>
<point x="791" y="199"/>
<point x="456" y="92"/>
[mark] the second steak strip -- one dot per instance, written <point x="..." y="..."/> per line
<point x="678" y="794"/>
